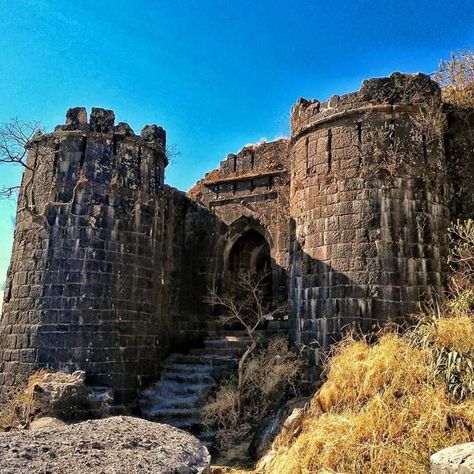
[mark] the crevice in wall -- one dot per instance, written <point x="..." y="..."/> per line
<point x="425" y="150"/>
<point x="329" y="149"/>
<point x="114" y="145"/>
<point x="56" y="158"/>
<point x="83" y="152"/>
<point x="139" y="166"/>
<point x="306" y="151"/>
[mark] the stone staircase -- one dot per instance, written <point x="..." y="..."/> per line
<point x="187" y="381"/>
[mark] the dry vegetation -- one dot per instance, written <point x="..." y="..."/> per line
<point x="22" y="407"/>
<point x="456" y="77"/>
<point x="269" y="377"/>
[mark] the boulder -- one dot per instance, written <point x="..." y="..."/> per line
<point x="60" y="395"/>
<point x="457" y="459"/>
<point x="113" y="445"/>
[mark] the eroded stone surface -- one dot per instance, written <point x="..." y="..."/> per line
<point x="457" y="459"/>
<point x="111" y="446"/>
<point x="61" y="395"/>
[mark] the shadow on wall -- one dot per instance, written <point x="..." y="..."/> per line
<point x="324" y="303"/>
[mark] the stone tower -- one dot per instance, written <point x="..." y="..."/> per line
<point x="368" y="206"/>
<point x="83" y="285"/>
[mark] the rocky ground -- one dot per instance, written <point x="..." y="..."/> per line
<point x="114" y="445"/>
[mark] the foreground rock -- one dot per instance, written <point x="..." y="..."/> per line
<point x="114" y="445"/>
<point x="454" y="460"/>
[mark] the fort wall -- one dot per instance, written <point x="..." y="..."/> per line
<point x="110" y="267"/>
<point x="250" y="192"/>
<point x="368" y="200"/>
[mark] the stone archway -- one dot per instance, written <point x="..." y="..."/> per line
<point x="251" y="253"/>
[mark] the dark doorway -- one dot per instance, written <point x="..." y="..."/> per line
<point x="251" y="252"/>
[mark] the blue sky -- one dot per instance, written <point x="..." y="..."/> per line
<point x="216" y="74"/>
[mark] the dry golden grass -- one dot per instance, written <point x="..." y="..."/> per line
<point x="457" y="333"/>
<point x="18" y="412"/>
<point x="382" y="409"/>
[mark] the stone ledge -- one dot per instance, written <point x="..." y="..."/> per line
<point x="457" y="459"/>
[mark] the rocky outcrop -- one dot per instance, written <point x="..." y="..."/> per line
<point x="60" y="395"/>
<point x="116" y="444"/>
<point x="280" y="421"/>
<point x="454" y="460"/>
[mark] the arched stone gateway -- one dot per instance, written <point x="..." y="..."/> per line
<point x="251" y="253"/>
<point x="248" y="246"/>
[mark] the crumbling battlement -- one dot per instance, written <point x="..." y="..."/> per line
<point x="397" y="92"/>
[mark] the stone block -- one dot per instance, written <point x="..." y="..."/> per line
<point x="102" y="120"/>
<point x="76" y="119"/>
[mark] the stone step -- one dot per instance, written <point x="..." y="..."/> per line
<point x="207" y="435"/>
<point x="187" y="380"/>
<point x="193" y="425"/>
<point x="222" y="351"/>
<point x="174" y="413"/>
<point x="227" y="343"/>
<point x="188" y="377"/>
<point x="211" y="359"/>
<point x="193" y="368"/>
<point x="189" y="400"/>
<point x="166" y="389"/>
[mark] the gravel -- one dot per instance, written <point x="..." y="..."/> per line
<point x="114" y="445"/>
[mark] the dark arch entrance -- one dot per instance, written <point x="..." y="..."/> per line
<point x="251" y="252"/>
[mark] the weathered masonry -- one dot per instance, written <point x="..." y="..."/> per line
<point x="350" y="214"/>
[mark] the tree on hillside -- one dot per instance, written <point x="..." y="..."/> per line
<point x="456" y="78"/>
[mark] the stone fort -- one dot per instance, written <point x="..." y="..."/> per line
<point x="110" y="266"/>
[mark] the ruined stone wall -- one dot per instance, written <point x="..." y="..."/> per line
<point x="250" y="190"/>
<point x="368" y="204"/>
<point x="190" y="235"/>
<point x="459" y="141"/>
<point x="110" y="267"/>
<point x="83" y="285"/>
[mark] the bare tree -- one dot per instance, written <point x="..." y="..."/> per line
<point x="14" y="137"/>
<point x="462" y="253"/>
<point x="248" y="307"/>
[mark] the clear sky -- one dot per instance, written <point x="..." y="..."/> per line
<point x="216" y="74"/>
